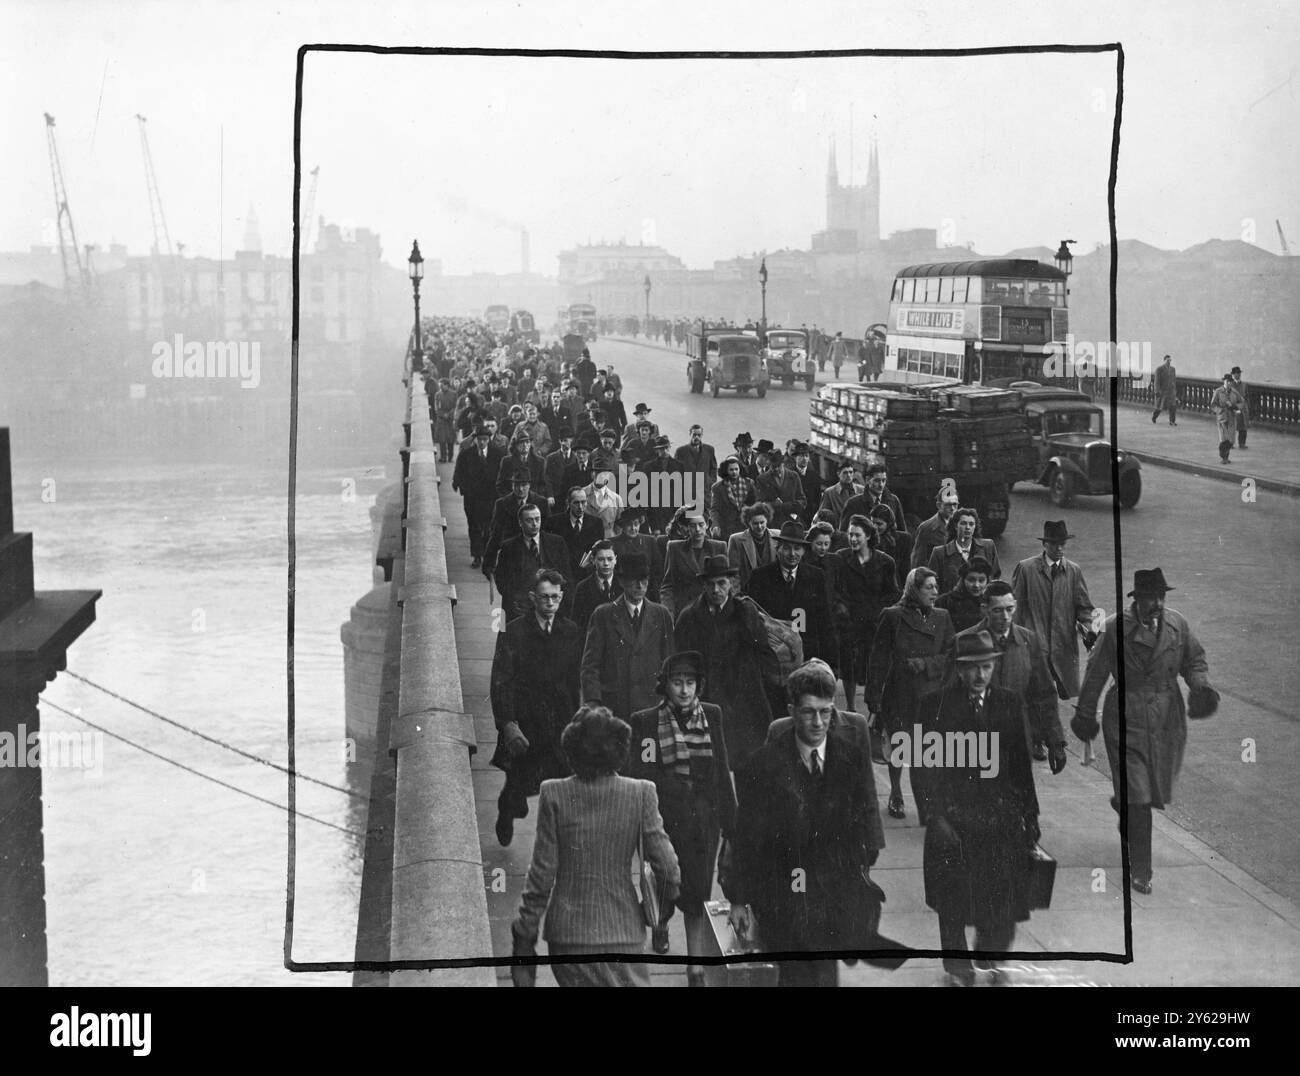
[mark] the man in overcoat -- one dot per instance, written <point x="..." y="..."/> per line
<point x="781" y="488"/>
<point x="983" y="809"/>
<point x="534" y="693"/>
<point x="1052" y="601"/>
<point x="729" y="631"/>
<point x="1243" y="415"/>
<point x="933" y="531"/>
<point x="629" y="539"/>
<point x="807" y="833"/>
<point x="505" y="517"/>
<point x="627" y="643"/>
<point x="579" y="530"/>
<point x="1226" y="405"/>
<point x="521" y="557"/>
<point x="699" y="458"/>
<point x="1159" y="647"/>
<point x="660" y="515"/>
<point x="1165" y="385"/>
<point x="474" y="478"/>
<point x="811" y="481"/>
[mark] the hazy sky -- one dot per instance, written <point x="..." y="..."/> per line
<point x="710" y="158"/>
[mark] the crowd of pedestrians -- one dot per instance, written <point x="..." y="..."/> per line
<point x="646" y="692"/>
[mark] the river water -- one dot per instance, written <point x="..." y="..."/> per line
<point x="155" y="876"/>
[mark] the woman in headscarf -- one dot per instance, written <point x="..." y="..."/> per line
<point x="681" y="749"/>
<point x="911" y="656"/>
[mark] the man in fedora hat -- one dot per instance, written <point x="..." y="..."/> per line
<point x="504" y="524"/>
<point x="1159" y="647"/>
<point x="640" y="414"/>
<point x="780" y="487"/>
<point x="661" y="463"/>
<point x="809" y="479"/>
<point x="474" y="478"/>
<point x="1165" y="385"/>
<point x="1226" y="405"/>
<point x="983" y="810"/>
<point x="684" y="560"/>
<point x="1052" y="601"/>
<point x="730" y="633"/>
<point x="790" y="590"/>
<point x="745" y="455"/>
<point x="629" y="539"/>
<point x="627" y="641"/>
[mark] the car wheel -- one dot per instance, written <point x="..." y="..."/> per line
<point x="1130" y="488"/>
<point x="1062" y="489"/>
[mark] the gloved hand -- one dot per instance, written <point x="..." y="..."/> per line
<point x="516" y="742"/>
<point x="1056" y="758"/>
<point x="742" y="921"/>
<point x="1084" y="727"/>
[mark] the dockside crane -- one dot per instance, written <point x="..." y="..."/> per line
<point x="69" y="250"/>
<point x="1286" y="251"/>
<point x="164" y="256"/>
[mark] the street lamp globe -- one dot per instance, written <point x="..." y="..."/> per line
<point x="415" y="263"/>
<point x="1063" y="258"/>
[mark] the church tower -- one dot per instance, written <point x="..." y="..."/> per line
<point x="869" y="232"/>
<point x="833" y="214"/>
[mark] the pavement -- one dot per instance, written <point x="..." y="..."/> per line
<point x="1209" y="921"/>
<point x="1272" y="459"/>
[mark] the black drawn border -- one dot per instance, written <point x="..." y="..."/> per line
<point x="292" y="965"/>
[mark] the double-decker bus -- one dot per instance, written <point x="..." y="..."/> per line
<point x="497" y="317"/>
<point x="582" y="320"/>
<point x="524" y="327"/>
<point x="976" y="321"/>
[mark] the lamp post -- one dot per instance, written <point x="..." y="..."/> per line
<point x="646" y="285"/>
<point x="1065" y="262"/>
<point x="415" y="270"/>
<point x="762" y="281"/>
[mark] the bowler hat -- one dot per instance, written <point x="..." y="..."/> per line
<point x="1236" y="370"/>
<point x="977" y="646"/>
<point x="801" y="449"/>
<point x="716" y="567"/>
<point x="1149" y="583"/>
<point x="641" y="408"/>
<point x="792" y="533"/>
<point x="765" y="446"/>
<point x="633" y="566"/>
<point x="627" y="455"/>
<point x="1054" y="530"/>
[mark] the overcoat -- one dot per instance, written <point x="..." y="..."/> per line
<point x="535" y="684"/>
<point x="515" y="569"/>
<point x="946" y="561"/>
<point x="474" y="477"/>
<point x="444" y="421"/>
<point x="788" y="828"/>
<point x="1166" y="386"/>
<point x="1155" y="718"/>
<point x="810" y="595"/>
<point x="579" y="542"/>
<point x="782" y="489"/>
<point x="743" y="553"/>
<point x="862" y="592"/>
<point x="681" y="564"/>
<point x="619" y="665"/>
<point x="696" y="811"/>
<point x="1052" y="607"/>
<point x="727" y="502"/>
<point x="1023" y="669"/>
<point x="902" y="633"/>
<point x="581" y="601"/>
<point x="929" y="533"/>
<point x="702" y="460"/>
<point x="737" y="656"/>
<point x="996" y="818"/>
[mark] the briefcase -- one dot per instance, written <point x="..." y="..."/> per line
<point x="721" y="940"/>
<point x="1042" y="876"/>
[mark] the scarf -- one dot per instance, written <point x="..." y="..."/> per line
<point x="737" y="492"/>
<point x="677" y="748"/>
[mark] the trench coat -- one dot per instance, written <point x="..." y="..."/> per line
<point x="985" y="879"/>
<point x="619" y="665"/>
<point x="785" y="825"/>
<point x="902" y="633"/>
<point x="1052" y="608"/>
<point x="1166" y="386"/>
<point x="696" y="811"/>
<point x="1226" y="403"/>
<point x="737" y="656"/>
<point x="1155" y="718"/>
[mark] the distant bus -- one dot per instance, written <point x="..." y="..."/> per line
<point x="523" y="326"/>
<point x="976" y="321"/>
<point x="582" y="320"/>
<point x="497" y="317"/>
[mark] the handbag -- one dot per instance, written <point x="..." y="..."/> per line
<point x="1042" y="876"/>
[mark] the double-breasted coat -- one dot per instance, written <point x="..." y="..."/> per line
<point x="1155" y="718"/>
<point x="1052" y="606"/>
<point x="737" y="657"/>
<point x="619" y="664"/>
<point x="696" y="810"/>
<point x="535" y="684"/>
<point x="788" y="827"/>
<point x="902" y="633"/>
<point x="984" y="878"/>
<point x="810" y="596"/>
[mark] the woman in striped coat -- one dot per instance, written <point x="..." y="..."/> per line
<point x="681" y="748"/>
<point x="589" y="827"/>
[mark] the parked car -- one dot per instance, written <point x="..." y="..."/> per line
<point x="787" y="358"/>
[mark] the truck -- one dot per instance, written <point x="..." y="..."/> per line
<point x="787" y="357"/>
<point x="724" y="357"/>
<point x="978" y="438"/>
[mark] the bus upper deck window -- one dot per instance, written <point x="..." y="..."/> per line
<point x="1015" y="291"/>
<point x="945" y="289"/>
<point x="959" y="289"/>
<point x="932" y="289"/>
<point x="909" y="289"/>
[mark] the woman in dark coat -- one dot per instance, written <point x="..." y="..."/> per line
<point x="911" y="656"/>
<point x="681" y="748"/>
<point x="889" y="539"/>
<point x="963" y="543"/>
<point x="866" y="584"/>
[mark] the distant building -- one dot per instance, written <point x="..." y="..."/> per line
<point x="852" y="211"/>
<point x="587" y="264"/>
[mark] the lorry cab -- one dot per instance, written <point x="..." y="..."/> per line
<point x="787" y="358"/>
<point x="725" y="358"/>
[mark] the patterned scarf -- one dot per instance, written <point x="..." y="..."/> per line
<point x="677" y="748"/>
<point x="738" y="492"/>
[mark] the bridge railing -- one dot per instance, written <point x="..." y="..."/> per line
<point x="1276" y="407"/>
<point x="439" y="905"/>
